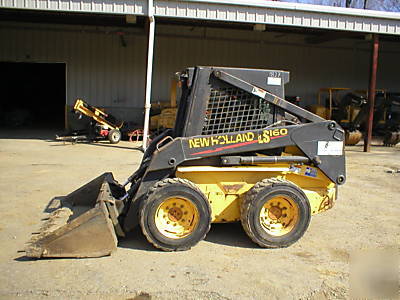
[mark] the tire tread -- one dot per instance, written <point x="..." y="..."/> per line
<point x="161" y="184"/>
<point x="249" y="200"/>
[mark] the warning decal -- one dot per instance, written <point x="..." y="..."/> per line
<point x="330" y="148"/>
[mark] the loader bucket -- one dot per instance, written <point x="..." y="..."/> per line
<point x="84" y="225"/>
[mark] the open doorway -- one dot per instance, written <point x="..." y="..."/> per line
<point x="33" y="95"/>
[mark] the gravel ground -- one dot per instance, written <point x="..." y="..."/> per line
<point x="226" y="265"/>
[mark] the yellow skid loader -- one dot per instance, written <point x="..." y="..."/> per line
<point x="238" y="152"/>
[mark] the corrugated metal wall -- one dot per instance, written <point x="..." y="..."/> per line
<point x="99" y="69"/>
<point x="106" y="74"/>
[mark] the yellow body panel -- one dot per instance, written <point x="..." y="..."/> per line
<point x="225" y="187"/>
<point x="319" y="110"/>
<point x="333" y="97"/>
<point x="166" y="119"/>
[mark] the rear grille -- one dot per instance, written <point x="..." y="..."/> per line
<point x="232" y="109"/>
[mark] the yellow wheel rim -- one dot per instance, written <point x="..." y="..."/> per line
<point x="279" y="215"/>
<point x="176" y="217"/>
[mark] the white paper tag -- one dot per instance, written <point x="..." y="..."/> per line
<point x="259" y="92"/>
<point x="274" y="81"/>
<point x="330" y="148"/>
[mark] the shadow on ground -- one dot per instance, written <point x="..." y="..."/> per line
<point x="136" y="240"/>
<point x="97" y="143"/>
<point x="28" y="134"/>
<point x="108" y="145"/>
<point x="49" y="135"/>
<point x="229" y="234"/>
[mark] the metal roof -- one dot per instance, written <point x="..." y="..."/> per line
<point x="249" y="11"/>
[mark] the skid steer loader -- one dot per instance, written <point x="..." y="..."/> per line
<point x="237" y="153"/>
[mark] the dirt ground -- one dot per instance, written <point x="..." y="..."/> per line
<point x="226" y="265"/>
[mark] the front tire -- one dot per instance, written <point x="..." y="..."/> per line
<point x="114" y="136"/>
<point x="275" y="213"/>
<point x="175" y="215"/>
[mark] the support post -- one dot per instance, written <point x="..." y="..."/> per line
<point x="149" y="72"/>
<point x="371" y="92"/>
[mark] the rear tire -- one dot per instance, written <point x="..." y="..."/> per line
<point x="114" y="136"/>
<point x="275" y="213"/>
<point x="175" y="215"/>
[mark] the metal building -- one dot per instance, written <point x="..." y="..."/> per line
<point x="97" y="49"/>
